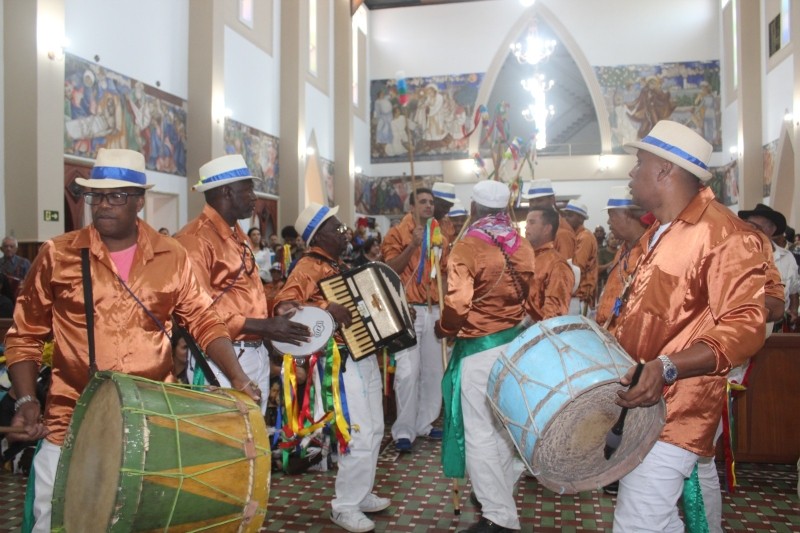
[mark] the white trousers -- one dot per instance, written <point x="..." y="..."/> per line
<point x="709" y="485"/>
<point x="490" y="452"/>
<point x="254" y="362"/>
<point x="45" y="464"/>
<point x="356" y="475"/>
<point x="418" y="379"/>
<point x="648" y="496"/>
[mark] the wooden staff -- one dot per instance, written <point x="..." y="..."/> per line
<point x="12" y="429"/>
<point x="456" y="491"/>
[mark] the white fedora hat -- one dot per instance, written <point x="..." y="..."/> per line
<point x="491" y="193"/>
<point x="457" y="210"/>
<point x="223" y="171"/>
<point x="678" y="144"/>
<point x="114" y="168"/>
<point x="311" y="218"/>
<point x="537" y="189"/>
<point x="577" y="207"/>
<point x="445" y="191"/>
<point x="620" y="199"/>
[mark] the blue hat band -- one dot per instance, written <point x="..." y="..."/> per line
<point x="312" y="225"/>
<point x="619" y="203"/>
<point x="458" y="213"/>
<point x="236" y="173"/>
<point x="119" y="173"/>
<point x="544" y="190"/>
<point x="445" y="195"/>
<point x="675" y="150"/>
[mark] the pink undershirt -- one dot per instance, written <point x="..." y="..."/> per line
<point x="124" y="260"/>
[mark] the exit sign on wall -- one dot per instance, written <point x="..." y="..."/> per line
<point x="51" y="216"/>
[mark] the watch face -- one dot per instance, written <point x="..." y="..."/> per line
<point x="671" y="374"/>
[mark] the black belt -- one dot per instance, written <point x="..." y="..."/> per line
<point x="248" y="344"/>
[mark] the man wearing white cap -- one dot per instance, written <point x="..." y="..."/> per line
<point x="625" y="223"/>
<point x="695" y="309"/>
<point x="326" y="240"/>
<point x="139" y="279"/>
<point x="553" y="280"/>
<point x="585" y="258"/>
<point x="226" y="267"/>
<point x="444" y="196"/>
<point x="540" y="193"/>
<point x="418" y="376"/>
<point x="488" y="279"/>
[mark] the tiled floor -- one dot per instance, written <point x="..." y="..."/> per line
<point x="421" y="500"/>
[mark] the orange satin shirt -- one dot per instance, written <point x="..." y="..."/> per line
<point x="623" y="266"/>
<point x="126" y="337"/>
<point x="393" y="245"/>
<point x="481" y="298"/>
<point x="551" y="287"/>
<point x="702" y="282"/>
<point x="226" y="268"/>
<point x="586" y="260"/>
<point x="303" y="283"/>
<point x="565" y="239"/>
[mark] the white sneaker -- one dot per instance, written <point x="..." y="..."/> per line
<point x="373" y="504"/>
<point x="353" y="521"/>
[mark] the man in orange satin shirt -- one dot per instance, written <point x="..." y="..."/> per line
<point x="540" y="193"/>
<point x="226" y="268"/>
<point x="488" y="279"/>
<point x="418" y="377"/>
<point x="553" y="279"/>
<point x="625" y="224"/>
<point x="695" y="310"/>
<point x="585" y="258"/>
<point x="139" y="279"/>
<point x="326" y="241"/>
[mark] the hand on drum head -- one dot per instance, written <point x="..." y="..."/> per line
<point x="340" y="314"/>
<point x="649" y="389"/>
<point x="282" y="329"/>
<point x="250" y="388"/>
<point x="29" y="417"/>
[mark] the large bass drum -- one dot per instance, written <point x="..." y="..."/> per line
<point x="142" y="455"/>
<point x="554" y="389"/>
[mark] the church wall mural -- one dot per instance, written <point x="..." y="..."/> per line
<point x="260" y="152"/>
<point x="105" y="109"/>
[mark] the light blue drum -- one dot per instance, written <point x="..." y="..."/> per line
<point x="554" y="390"/>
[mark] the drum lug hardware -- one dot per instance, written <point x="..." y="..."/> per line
<point x="242" y="407"/>
<point x="249" y="511"/>
<point x="250" y="449"/>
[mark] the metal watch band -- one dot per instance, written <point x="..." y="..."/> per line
<point x="670" y="370"/>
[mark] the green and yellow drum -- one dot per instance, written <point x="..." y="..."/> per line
<point x="142" y="455"/>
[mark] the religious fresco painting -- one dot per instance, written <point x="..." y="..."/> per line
<point x="387" y="196"/>
<point x="438" y="113"/>
<point x="638" y="96"/>
<point x="770" y="154"/>
<point x="725" y="183"/>
<point x="260" y="152"/>
<point x="105" y="109"/>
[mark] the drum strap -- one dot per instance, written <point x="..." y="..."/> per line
<point x="88" y="302"/>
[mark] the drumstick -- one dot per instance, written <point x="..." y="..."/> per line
<point x="12" y="429"/>
<point x="456" y="497"/>
<point x="614" y="435"/>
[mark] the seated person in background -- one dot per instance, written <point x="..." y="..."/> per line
<point x="180" y="354"/>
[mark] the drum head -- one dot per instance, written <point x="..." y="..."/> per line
<point x="94" y="468"/>
<point x="569" y="458"/>
<point x="322" y="326"/>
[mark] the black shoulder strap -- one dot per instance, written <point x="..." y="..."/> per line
<point x="88" y="300"/>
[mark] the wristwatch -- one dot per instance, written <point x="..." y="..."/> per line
<point x="670" y="370"/>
